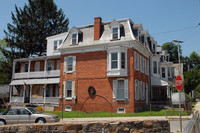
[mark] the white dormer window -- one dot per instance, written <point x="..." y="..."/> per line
<point x="115" y="30"/>
<point x="115" y="33"/>
<point x="57" y="43"/>
<point x="74" y="39"/>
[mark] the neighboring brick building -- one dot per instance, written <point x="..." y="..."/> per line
<point x="112" y="58"/>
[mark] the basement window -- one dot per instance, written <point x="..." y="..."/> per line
<point x="68" y="108"/>
<point x="121" y="110"/>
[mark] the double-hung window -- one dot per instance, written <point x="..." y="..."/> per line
<point x="123" y="60"/>
<point x="163" y="72"/>
<point x="141" y="64"/>
<point x="50" y="65"/>
<point x="120" y="89"/>
<point x="74" y="38"/>
<point x="147" y="67"/>
<point x="143" y="90"/>
<point x="70" y="64"/>
<point x="114" y="60"/>
<point x="69" y="89"/>
<point x="115" y="33"/>
<point x="57" y="43"/>
<point x="136" y="90"/>
<point x="136" y="60"/>
<point x="25" y="67"/>
<point x="155" y="67"/>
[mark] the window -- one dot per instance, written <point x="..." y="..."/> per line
<point x="141" y="64"/>
<point x="69" y="89"/>
<point x="58" y="64"/>
<point x="121" y="110"/>
<point x="123" y="61"/>
<point x="70" y="64"/>
<point x="155" y="67"/>
<point x="147" y="67"/>
<point x="158" y="67"/>
<point x="120" y="89"/>
<point x="114" y="60"/>
<point x="25" y="67"/>
<point x="169" y="73"/>
<point x="50" y="65"/>
<point x="163" y="72"/>
<point x="143" y="90"/>
<point x="115" y="32"/>
<point x="136" y="60"/>
<point x="136" y="90"/>
<point x="57" y="43"/>
<point x="68" y="108"/>
<point x="74" y="39"/>
<point x="37" y="66"/>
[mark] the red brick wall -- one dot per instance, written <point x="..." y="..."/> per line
<point x="91" y="70"/>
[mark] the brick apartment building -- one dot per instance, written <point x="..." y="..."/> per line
<point x="105" y="66"/>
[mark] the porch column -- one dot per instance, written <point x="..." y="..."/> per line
<point x="10" y="89"/>
<point x="29" y="67"/>
<point x="13" y="73"/>
<point x="45" y="66"/>
<point x="24" y="93"/>
<point x="30" y="93"/>
<point x="44" y="100"/>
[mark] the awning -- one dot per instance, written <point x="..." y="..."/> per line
<point x="158" y="82"/>
<point x="35" y="81"/>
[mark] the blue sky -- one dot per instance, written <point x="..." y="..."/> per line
<point x="166" y="20"/>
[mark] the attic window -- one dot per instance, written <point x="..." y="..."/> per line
<point x="115" y="32"/>
<point x="74" y="38"/>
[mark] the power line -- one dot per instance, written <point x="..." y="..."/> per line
<point x="165" y="32"/>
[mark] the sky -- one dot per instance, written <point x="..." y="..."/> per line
<point x="165" y="20"/>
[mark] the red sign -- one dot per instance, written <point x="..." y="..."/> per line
<point x="179" y="83"/>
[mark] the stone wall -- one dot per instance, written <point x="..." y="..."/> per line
<point x="91" y="127"/>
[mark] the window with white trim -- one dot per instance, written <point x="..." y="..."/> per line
<point x="69" y="89"/>
<point x="68" y="108"/>
<point x="120" y="89"/>
<point x="169" y="72"/>
<point x="141" y="63"/>
<point x="50" y="65"/>
<point x="140" y="89"/>
<point x="155" y="67"/>
<point x="121" y="110"/>
<point x="115" y="32"/>
<point x="147" y="67"/>
<point x="136" y="90"/>
<point x="143" y="90"/>
<point x="25" y="67"/>
<point x="57" y="43"/>
<point x="163" y="72"/>
<point x="114" y="60"/>
<point x="136" y="60"/>
<point x="58" y="64"/>
<point x="70" y="64"/>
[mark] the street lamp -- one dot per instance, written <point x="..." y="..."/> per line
<point x="176" y="41"/>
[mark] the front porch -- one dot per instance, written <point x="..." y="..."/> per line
<point x="34" y="94"/>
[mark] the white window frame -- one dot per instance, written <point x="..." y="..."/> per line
<point x="52" y="65"/>
<point x="119" y="108"/>
<point x="117" y="26"/>
<point x="142" y="64"/>
<point x="56" y="44"/>
<point x="126" y="89"/>
<point x="143" y="90"/>
<point x="73" y="64"/>
<point x="71" y="41"/>
<point x="37" y="66"/>
<point x="147" y="66"/>
<point x="136" y="60"/>
<point x="155" y="65"/>
<point x="136" y="90"/>
<point x="58" y="65"/>
<point x="68" y="108"/>
<point x="119" y="52"/>
<point x="72" y="89"/>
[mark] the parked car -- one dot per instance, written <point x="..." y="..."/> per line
<point x="26" y="115"/>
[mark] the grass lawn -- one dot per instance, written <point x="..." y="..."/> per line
<point x="78" y="114"/>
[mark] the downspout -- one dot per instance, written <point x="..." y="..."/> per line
<point x="150" y="86"/>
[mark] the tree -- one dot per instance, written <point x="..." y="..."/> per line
<point x="32" y="24"/>
<point x="172" y="49"/>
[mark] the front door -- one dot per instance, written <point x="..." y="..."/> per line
<point x="27" y="95"/>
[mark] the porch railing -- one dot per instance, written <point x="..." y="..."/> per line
<point x="38" y="74"/>
<point x="40" y="100"/>
<point x="15" y="99"/>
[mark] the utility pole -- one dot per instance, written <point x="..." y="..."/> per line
<point x="176" y="41"/>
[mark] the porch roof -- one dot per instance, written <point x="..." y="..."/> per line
<point x="158" y="82"/>
<point x="35" y="81"/>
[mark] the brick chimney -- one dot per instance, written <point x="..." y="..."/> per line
<point x="97" y="28"/>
